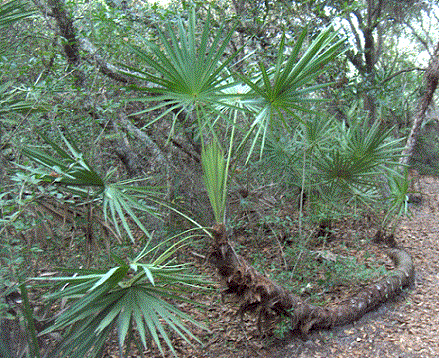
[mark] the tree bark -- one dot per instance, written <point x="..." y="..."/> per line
<point x="105" y="67"/>
<point x="431" y="79"/>
<point x="371" y="55"/>
<point x="270" y="301"/>
<point x="153" y="148"/>
<point x="68" y="34"/>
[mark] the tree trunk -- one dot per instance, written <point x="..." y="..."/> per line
<point x="371" y="54"/>
<point x="264" y="297"/>
<point x="68" y="35"/>
<point x="431" y="78"/>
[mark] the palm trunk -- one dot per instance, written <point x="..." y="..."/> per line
<point x="270" y="301"/>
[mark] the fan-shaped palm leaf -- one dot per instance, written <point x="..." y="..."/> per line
<point x="281" y="90"/>
<point x="69" y="169"/>
<point x="123" y="297"/>
<point x="184" y="71"/>
<point x="357" y="161"/>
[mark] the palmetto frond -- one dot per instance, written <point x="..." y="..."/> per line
<point x="343" y="163"/>
<point x="72" y="172"/>
<point x="130" y="295"/>
<point x="358" y="160"/>
<point x="284" y="89"/>
<point x="13" y="11"/>
<point x="215" y="171"/>
<point x="184" y="69"/>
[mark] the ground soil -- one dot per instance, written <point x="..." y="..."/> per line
<point x="405" y="327"/>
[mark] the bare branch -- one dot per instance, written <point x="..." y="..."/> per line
<point x="142" y="136"/>
<point x="419" y="38"/>
<point x="104" y="66"/>
<point x="401" y="72"/>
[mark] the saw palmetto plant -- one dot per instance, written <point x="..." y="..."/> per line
<point x="186" y="76"/>
<point x="71" y="172"/>
<point x="133" y="295"/>
<point x="192" y="74"/>
<point x="343" y="166"/>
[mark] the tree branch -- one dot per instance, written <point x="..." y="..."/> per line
<point x="105" y="67"/>
<point x="419" y="38"/>
<point x="401" y="72"/>
<point x="149" y="143"/>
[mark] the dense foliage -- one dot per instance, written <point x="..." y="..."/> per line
<point x="123" y="124"/>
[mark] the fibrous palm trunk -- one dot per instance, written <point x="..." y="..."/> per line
<point x="270" y="301"/>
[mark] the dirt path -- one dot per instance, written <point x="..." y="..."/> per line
<point x="405" y="328"/>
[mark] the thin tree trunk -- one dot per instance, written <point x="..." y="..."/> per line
<point x="68" y="35"/>
<point x="371" y="54"/>
<point x="431" y="79"/>
<point x="270" y="301"/>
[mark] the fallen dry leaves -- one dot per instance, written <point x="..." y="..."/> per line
<point x="407" y="327"/>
